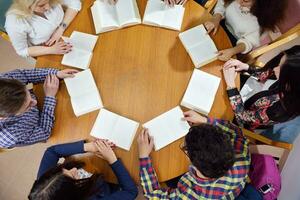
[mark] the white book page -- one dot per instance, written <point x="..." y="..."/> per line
<point x="82" y="83"/>
<point x="124" y="132"/>
<point x="86" y="103"/>
<point x="115" y="128"/>
<point x="83" y="41"/>
<point x="167" y="127"/>
<point x="77" y="58"/>
<point x="127" y="12"/>
<point x="108" y="15"/>
<point x="201" y="91"/>
<point x="104" y="124"/>
<point x="96" y="16"/>
<point x="204" y="51"/>
<point x="173" y="17"/>
<point x="193" y="36"/>
<point x="154" y="12"/>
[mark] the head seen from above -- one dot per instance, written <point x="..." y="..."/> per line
<point x="210" y="150"/>
<point x="26" y="8"/>
<point x="62" y="183"/>
<point x="15" y="99"/>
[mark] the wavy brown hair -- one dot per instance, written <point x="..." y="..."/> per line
<point x="268" y="12"/>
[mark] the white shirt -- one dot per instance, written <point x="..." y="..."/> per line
<point x="36" y="30"/>
<point x="243" y="26"/>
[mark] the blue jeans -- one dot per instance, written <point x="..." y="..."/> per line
<point x="284" y="132"/>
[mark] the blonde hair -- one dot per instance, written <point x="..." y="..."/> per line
<point x="21" y="8"/>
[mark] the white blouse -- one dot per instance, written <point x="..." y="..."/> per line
<point x="243" y="26"/>
<point x="26" y="32"/>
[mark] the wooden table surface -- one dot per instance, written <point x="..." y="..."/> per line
<point x="141" y="72"/>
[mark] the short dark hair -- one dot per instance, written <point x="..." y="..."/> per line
<point x="12" y="96"/>
<point x="210" y="150"/>
<point x="54" y="185"/>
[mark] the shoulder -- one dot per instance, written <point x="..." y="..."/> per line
<point x="13" y="20"/>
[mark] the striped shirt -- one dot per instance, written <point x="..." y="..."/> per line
<point x="34" y="125"/>
<point x="190" y="186"/>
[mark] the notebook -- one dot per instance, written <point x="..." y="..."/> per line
<point x="108" y="17"/>
<point x="201" y="92"/>
<point x="84" y="93"/>
<point x="157" y="13"/>
<point x="115" y="128"/>
<point x="167" y="128"/>
<point x="82" y="51"/>
<point x="199" y="45"/>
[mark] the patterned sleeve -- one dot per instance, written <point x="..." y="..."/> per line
<point x="35" y="76"/>
<point x="43" y="131"/>
<point x="261" y="74"/>
<point x="253" y="118"/>
<point x="150" y="184"/>
<point x="239" y="142"/>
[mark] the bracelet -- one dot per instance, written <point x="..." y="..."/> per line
<point x="63" y="25"/>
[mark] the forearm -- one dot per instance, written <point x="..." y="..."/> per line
<point x="239" y="48"/>
<point x="35" y="51"/>
<point x="69" y="16"/>
<point x="217" y="17"/>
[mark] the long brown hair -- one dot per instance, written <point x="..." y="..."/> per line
<point x="268" y="12"/>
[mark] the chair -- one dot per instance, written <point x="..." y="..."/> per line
<point x="262" y="145"/>
<point x="4" y="5"/>
<point x="210" y="4"/>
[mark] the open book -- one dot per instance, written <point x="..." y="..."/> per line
<point x="115" y="128"/>
<point x="157" y="13"/>
<point x="199" y="45"/>
<point x="82" y="51"/>
<point x="201" y="92"/>
<point x="84" y="93"/>
<point x="108" y="17"/>
<point x="167" y="128"/>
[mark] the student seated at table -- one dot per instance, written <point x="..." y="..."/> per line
<point x="242" y="27"/>
<point x="21" y="122"/>
<point x="220" y="161"/>
<point x="69" y="181"/>
<point x="36" y="26"/>
<point x="271" y="101"/>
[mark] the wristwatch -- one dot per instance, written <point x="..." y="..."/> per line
<point x="63" y="25"/>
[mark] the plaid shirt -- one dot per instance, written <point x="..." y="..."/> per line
<point x="190" y="186"/>
<point x="32" y="126"/>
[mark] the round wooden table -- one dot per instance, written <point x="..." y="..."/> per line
<point x="141" y="72"/>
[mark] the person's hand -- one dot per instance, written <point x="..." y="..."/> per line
<point x="112" y="2"/>
<point x="194" y="118"/>
<point x="51" y="85"/>
<point x="66" y="73"/>
<point x="105" y="151"/>
<point x="55" y="37"/>
<point x="145" y="143"/>
<point x="170" y="2"/>
<point x="238" y="65"/>
<point x="91" y="146"/>
<point x="181" y="2"/>
<point x="229" y="75"/>
<point x="60" y="48"/>
<point x="226" y="54"/>
<point x="212" y="25"/>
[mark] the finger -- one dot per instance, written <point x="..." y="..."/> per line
<point x="215" y="30"/>
<point x="151" y="141"/>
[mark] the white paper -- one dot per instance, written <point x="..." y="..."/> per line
<point x="116" y="128"/>
<point x="84" y="93"/>
<point x="201" y="91"/>
<point x="167" y="128"/>
<point x="159" y="14"/>
<point x="199" y="45"/>
<point x="108" y="17"/>
<point x="81" y="54"/>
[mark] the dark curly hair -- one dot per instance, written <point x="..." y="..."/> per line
<point x="210" y="150"/>
<point x="268" y="12"/>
